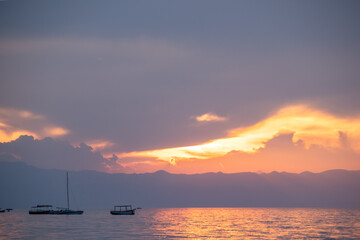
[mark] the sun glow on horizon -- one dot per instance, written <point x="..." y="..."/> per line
<point x="308" y="125"/>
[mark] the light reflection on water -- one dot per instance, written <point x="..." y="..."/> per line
<point x="193" y="223"/>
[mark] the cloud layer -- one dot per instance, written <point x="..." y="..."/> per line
<point x="54" y="154"/>
<point x="311" y="126"/>
<point x="295" y="138"/>
<point x="130" y="78"/>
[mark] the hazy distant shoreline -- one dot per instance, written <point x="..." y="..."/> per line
<point x="22" y="186"/>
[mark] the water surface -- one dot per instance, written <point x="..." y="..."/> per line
<point x="192" y="223"/>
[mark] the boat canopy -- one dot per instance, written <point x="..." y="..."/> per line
<point x="123" y="208"/>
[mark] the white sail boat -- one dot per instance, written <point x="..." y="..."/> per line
<point x="67" y="211"/>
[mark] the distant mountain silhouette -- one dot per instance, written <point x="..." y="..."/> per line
<point x="22" y="186"/>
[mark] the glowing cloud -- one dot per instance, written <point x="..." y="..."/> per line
<point x="14" y="123"/>
<point x="100" y="144"/>
<point x="210" y="117"/>
<point x="56" y="131"/>
<point x="311" y="126"/>
<point x="7" y="135"/>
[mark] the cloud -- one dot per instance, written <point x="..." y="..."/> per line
<point x="210" y="117"/>
<point x="280" y="154"/>
<point x="14" y="123"/>
<point x="55" y="131"/>
<point x="100" y="144"/>
<point x="138" y="73"/>
<point x="308" y="125"/>
<point x="59" y="154"/>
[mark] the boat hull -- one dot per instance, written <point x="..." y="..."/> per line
<point x="67" y="212"/>
<point x="40" y="212"/>
<point x="129" y="212"/>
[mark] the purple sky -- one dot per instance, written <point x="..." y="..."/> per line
<point x="136" y="74"/>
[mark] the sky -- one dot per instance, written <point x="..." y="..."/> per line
<point x="181" y="86"/>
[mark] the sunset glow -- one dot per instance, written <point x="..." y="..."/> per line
<point x="210" y="117"/>
<point x="56" y="131"/>
<point x="14" y="123"/>
<point x="100" y="144"/>
<point x="261" y="87"/>
<point x="13" y="135"/>
<point x="308" y="125"/>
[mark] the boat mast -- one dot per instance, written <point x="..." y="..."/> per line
<point x="67" y="189"/>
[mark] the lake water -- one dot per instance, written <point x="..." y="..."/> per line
<point x="192" y="223"/>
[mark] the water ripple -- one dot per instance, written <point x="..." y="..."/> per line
<point x="187" y="223"/>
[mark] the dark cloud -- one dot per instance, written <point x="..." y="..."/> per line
<point x="54" y="154"/>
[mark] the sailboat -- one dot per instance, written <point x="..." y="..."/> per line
<point x="67" y="211"/>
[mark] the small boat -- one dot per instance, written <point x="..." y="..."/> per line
<point x="123" y="210"/>
<point x="67" y="211"/>
<point x="2" y="210"/>
<point x="41" y="209"/>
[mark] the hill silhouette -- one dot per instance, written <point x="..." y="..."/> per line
<point x="22" y="186"/>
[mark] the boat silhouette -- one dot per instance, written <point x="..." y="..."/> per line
<point x="48" y="209"/>
<point x="41" y="209"/>
<point x="66" y="211"/>
<point x="123" y="210"/>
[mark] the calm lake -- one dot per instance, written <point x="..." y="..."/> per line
<point x="192" y="223"/>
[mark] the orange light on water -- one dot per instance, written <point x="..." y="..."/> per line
<point x="232" y="223"/>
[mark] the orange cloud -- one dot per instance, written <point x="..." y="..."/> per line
<point x="279" y="154"/>
<point x="8" y="134"/>
<point x="14" y="123"/>
<point x="210" y="117"/>
<point x="100" y="144"/>
<point x="311" y="126"/>
<point x="55" y="131"/>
